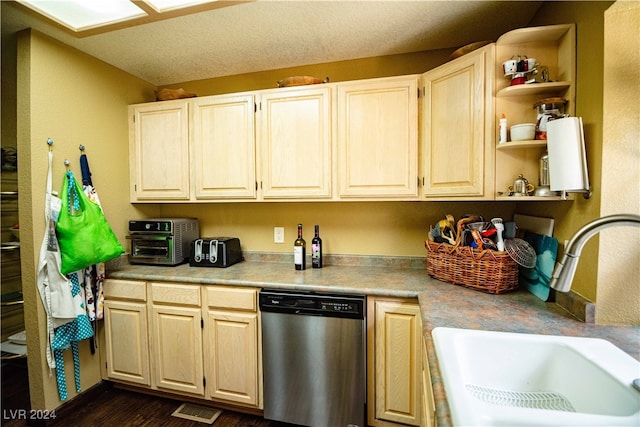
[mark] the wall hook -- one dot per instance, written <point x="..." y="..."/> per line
<point x="67" y="163"/>
<point x="50" y="144"/>
<point x="81" y="148"/>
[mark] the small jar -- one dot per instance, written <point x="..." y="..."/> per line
<point x="548" y="109"/>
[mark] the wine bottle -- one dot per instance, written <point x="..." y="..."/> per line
<point x="300" y="251"/>
<point x="316" y="249"/>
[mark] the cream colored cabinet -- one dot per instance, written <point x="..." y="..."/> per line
<point x="554" y="47"/>
<point x="176" y="330"/>
<point x="159" y="151"/>
<point x="457" y="127"/>
<point x="223" y="147"/>
<point x="378" y="138"/>
<point x="394" y="354"/>
<point x="126" y="332"/>
<point x="232" y="346"/>
<point x="428" y="402"/>
<point x="295" y="133"/>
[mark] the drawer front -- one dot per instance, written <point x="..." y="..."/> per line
<point x="125" y="289"/>
<point x="169" y="293"/>
<point x="232" y="298"/>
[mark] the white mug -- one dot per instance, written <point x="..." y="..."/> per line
<point x="530" y="64"/>
<point x="509" y="67"/>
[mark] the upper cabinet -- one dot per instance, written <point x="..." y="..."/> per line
<point x="279" y="144"/>
<point x="378" y="138"/>
<point x="223" y="147"/>
<point x="457" y="127"/>
<point x="554" y="47"/>
<point x="159" y="151"/>
<point x="295" y="134"/>
<point x="429" y="137"/>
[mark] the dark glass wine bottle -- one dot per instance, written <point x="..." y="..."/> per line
<point x="300" y="251"/>
<point x="316" y="249"/>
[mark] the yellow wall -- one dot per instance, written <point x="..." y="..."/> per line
<point x="365" y="68"/>
<point x="618" y="266"/>
<point x="73" y="99"/>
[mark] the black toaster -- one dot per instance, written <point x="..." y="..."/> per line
<point x="215" y="252"/>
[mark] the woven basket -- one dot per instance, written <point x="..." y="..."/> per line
<point x="483" y="270"/>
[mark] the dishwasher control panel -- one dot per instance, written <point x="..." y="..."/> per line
<point x="312" y="303"/>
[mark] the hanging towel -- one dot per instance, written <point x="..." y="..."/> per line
<point x="53" y="286"/>
<point x="94" y="275"/>
<point x="68" y="336"/>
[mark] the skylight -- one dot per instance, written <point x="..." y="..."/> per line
<point x="80" y="15"/>
<point x="164" y="5"/>
<point x="87" y="17"/>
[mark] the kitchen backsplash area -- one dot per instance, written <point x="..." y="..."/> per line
<point x="354" y="228"/>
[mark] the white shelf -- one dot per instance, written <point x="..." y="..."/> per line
<point x="540" y="143"/>
<point x="550" y="88"/>
<point x="534" y="198"/>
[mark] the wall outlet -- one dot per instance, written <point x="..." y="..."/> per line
<point x="278" y="234"/>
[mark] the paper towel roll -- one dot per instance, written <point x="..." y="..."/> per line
<point x="567" y="155"/>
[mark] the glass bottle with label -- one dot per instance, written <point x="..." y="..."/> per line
<point x="316" y="249"/>
<point x="299" y="251"/>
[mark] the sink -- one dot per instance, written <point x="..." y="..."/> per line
<point x="512" y="379"/>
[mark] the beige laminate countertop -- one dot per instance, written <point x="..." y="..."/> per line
<point x="441" y="304"/>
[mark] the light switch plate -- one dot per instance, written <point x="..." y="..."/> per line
<point x="278" y="234"/>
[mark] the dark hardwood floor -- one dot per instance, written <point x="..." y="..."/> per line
<point x="107" y="406"/>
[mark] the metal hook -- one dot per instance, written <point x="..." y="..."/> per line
<point x="81" y="148"/>
<point x="67" y="163"/>
<point x="50" y="144"/>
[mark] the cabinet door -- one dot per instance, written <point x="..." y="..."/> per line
<point x="126" y="343"/>
<point x="223" y="147"/>
<point x="457" y="126"/>
<point x="428" y="402"/>
<point x="378" y="138"/>
<point x="295" y="134"/>
<point x="159" y="151"/>
<point x="395" y="362"/>
<point x="177" y="355"/>
<point x="232" y="360"/>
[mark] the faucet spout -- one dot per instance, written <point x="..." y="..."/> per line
<point x="566" y="267"/>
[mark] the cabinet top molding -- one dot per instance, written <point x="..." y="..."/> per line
<point x="547" y="33"/>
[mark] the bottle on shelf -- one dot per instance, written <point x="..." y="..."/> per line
<point x="316" y="249"/>
<point x="299" y="251"/>
<point x="503" y="129"/>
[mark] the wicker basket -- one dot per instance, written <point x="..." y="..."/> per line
<point x="483" y="270"/>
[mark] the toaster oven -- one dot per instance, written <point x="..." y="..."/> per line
<point x="162" y="241"/>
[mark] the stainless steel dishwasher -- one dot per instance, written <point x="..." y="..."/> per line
<point x="314" y="358"/>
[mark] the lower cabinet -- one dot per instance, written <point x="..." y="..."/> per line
<point x="204" y="341"/>
<point x="428" y="402"/>
<point x="233" y="350"/>
<point x="394" y="337"/>
<point x="196" y="340"/>
<point x="176" y="328"/>
<point x="126" y="332"/>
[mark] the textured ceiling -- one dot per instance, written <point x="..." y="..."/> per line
<point x="266" y="35"/>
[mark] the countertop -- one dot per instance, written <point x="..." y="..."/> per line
<point x="441" y="304"/>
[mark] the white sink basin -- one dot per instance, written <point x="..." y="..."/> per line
<point x="508" y="379"/>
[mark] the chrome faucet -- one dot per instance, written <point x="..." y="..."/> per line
<point x="566" y="268"/>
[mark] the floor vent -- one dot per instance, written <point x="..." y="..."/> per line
<point x="203" y="414"/>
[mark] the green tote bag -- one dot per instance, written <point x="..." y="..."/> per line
<point x="84" y="235"/>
